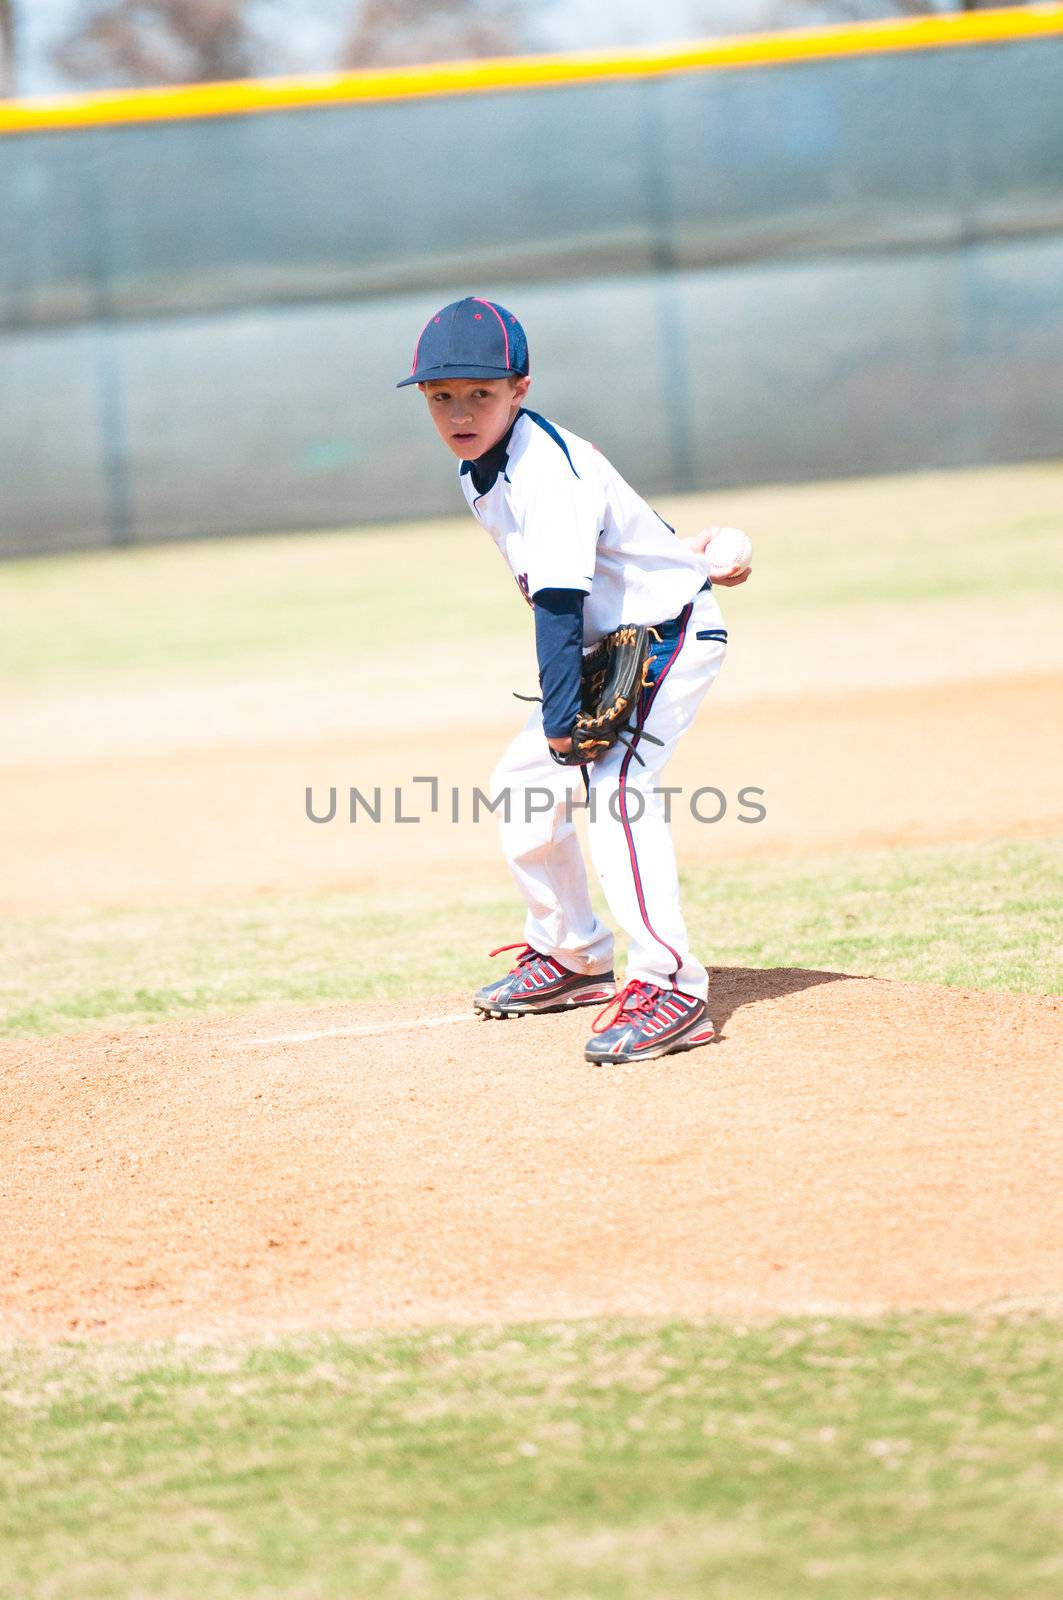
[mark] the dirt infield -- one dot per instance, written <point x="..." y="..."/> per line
<point x="847" y="1144"/>
<point x="949" y="762"/>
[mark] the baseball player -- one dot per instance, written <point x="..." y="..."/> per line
<point x="588" y="554"/>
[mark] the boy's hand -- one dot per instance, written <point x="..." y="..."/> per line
<point x="564" y="752"/>
<point x="738" y="569"/>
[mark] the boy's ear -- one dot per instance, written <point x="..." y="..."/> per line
<point x="422" y="388"/>
<point x="521" y="386"/>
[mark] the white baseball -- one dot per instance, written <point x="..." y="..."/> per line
<point x="728" y="549"/>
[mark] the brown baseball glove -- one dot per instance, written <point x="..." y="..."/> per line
<point x="614" y="674"/>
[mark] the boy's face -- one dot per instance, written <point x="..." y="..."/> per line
<point x="472" y="414"/>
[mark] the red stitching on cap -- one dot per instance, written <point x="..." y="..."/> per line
<point x="417" y="347"/>
<point x="501" y="324"/>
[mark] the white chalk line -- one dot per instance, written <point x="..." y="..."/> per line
<point x="354" y="1033"/>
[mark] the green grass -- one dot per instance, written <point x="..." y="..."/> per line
<point x="207" y="607"/>
<point x="915" y="1458"/>
<point x="838" y="550"/>
<point x="201" y="607"/>
<point x="979" y="916"/>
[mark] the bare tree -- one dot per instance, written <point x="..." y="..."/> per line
<point x="400" y="32"/>
<point x="8" y="76"/>
<point x="137" y="42"/>
<point x="730" y="16"/>
<point x="827" y="11"/>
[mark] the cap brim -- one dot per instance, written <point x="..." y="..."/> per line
<point x="440" y="374"/>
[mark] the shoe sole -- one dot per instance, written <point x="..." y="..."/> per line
<point x="502" y="1012"/>
<point x="704" y="1033"/>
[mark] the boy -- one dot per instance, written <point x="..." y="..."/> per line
<point x="588" y="554"/>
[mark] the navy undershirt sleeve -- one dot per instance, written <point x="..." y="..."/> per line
<point x="559" y="647"/>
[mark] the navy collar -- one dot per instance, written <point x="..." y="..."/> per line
<point x="486" y="469"/>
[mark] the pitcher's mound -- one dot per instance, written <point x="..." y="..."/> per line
<point x="847" y="1144"/>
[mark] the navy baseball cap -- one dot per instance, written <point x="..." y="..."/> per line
<point x="470" y="338"/>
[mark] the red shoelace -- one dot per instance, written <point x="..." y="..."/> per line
<point x="635" y="998"/>
<point x="526" y="953"/>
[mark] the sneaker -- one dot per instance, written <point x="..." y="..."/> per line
<point x="539" y="983"/>
<point x="643" y="1021"/>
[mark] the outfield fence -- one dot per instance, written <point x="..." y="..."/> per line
<point x="731" y="270"/>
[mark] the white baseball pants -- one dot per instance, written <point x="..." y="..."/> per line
<point x="630" y="840"/>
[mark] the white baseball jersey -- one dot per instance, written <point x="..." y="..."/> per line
<point x="563" y="518"/>
<point x="630" y="840"/>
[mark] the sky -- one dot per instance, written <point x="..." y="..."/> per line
<point x="309" y="41"/>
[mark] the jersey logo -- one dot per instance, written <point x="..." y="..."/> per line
<point x="522" y="585"/>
